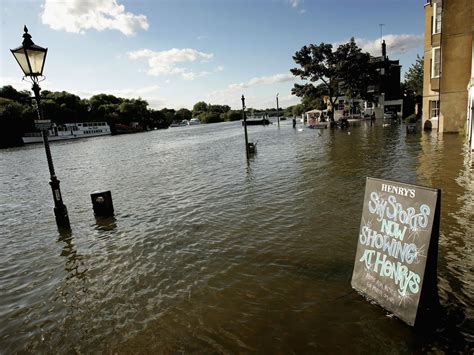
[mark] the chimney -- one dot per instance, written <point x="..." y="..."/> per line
<point x="384" y="49"/>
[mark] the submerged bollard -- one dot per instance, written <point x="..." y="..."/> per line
<point x="102" y="203"/>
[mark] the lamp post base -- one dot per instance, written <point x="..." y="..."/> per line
<point x="62" y="218"/>
<point x="60" y="210"/>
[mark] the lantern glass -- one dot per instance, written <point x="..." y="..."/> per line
<point x="22" y="60"/>
<point x="31" y="59"/>
<point x="36" y="58"/>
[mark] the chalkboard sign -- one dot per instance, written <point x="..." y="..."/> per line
<point x="397" y="246"/>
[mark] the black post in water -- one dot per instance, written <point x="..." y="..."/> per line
<point x="102" y="203"/>
<point x="60" y="210"/>
<point x="278" y="112"/>
<point x="245" y="128"/>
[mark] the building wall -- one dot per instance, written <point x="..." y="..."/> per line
<point x="455" y="40"/>
<point x="428" y="93"/>
<point x="456" y="44"/>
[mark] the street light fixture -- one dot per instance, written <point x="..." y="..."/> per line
<point x="31" y="59"/>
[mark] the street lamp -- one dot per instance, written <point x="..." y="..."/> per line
<point x="278" y="111"/>
<point x="247" y="152"/>
<point x="31" y="59"/>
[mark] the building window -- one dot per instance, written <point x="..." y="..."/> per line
<point x="434" y="109"/>
<point x="340" y="105"/>
<point x="437" y="9"/>
<point x="436" y="62"/>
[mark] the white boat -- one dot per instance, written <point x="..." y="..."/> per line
<point x="70" y="131"/>
<point x="194" y="121"/>
<point x="179" y="124"/>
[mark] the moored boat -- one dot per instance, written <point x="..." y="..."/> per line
<point x="68" y="131"/>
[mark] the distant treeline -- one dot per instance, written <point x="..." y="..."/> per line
<point x="18" y="112"/>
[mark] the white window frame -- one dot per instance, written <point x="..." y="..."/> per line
<point x="437" y="5"/>
<point x="433" y="56"/>
<point x="434" y="109"/>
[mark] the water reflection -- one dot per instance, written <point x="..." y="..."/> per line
<point x="106" y="224"/>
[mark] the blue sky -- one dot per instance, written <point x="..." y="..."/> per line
<point x="174" y="53"/>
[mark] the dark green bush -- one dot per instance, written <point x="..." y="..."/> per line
<point x="411" y="119"/>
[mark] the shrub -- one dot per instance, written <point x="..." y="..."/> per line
<point x="210" y="117"/>
<point x="411" y="119"/>
<point x="233" y="116"/>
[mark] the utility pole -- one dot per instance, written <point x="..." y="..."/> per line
<point x="381" y="31"/>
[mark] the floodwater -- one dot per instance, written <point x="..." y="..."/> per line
<point x="209" y="254"/>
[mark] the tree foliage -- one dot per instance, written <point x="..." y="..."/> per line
<point x="414" y="77"/>
<point x="343" y="71"/>
<point x="199" y="107"/>
<point x="18" y="112"/>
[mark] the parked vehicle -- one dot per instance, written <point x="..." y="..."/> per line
<point x="390" y="115"/>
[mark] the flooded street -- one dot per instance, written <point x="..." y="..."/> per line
<point x="209" y="254"/>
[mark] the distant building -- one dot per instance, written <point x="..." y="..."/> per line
<point x="448" y="68"/>
<point x="387" y="91"/>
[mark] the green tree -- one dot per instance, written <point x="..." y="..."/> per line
<point x="9" y="92"/>
<point x="133" y="110"/>
<point x="298" y="110"/>
<point x="183" y="114"/>
<point x="169" y="115"/>
<point x="63" y="107"/>
<point x="344" y="71"/>
<point x="232" y="115"/>
<point x="414" y="77"/>
<point x="15" y="119"/>
<point x="210" y="117"/>
<point x="199" y="107"/>
<point x="103" y="107"/>
<point x="158" y="119"/>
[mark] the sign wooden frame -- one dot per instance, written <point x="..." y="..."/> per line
<point x="397" y="248"/>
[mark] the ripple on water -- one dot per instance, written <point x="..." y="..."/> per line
<point x="209" y="253"/>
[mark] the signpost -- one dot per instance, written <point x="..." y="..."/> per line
<point x="43" y="125"/>
<point x="397" y="248"/>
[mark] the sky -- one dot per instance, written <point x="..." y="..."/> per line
<point x="174" y="53"/>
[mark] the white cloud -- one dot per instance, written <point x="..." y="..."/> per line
<point x="79" y="15"/>
<point x="219" y="69"/>
<point x="261" y="80"/>
<point x="294" y="3"/>
<point x="165" y="62"/>
<point x="20" y="84"/>
<point x="396" y="44"/>
<point x="149" y="93"/>
<point x="231" y="95"/>
<point x="124" y="93"/>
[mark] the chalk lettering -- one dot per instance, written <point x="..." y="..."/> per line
<point x="399" y="273"/>
<point x="393" y="210"/>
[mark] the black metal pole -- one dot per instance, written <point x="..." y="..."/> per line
<point x="60" y="210"/>
<point x="278" y="113"/>
<point x="245" y="128"/>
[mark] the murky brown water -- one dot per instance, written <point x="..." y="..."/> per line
<point x="208" y="254"/>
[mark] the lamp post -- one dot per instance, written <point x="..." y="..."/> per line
<point x="247" y="152"/>
<point x="278" y="112"/>
<point x="31" y="59"/>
